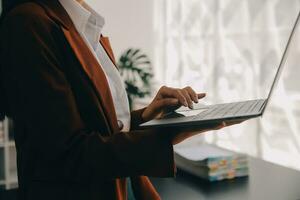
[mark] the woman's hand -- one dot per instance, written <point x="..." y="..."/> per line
<point x="170" y="99"/>
<point x="178" y="135"/>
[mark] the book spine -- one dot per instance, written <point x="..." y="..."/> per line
<point x="233" y="161"/>
<point x="231" y="174"/>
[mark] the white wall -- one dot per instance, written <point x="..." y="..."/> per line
<point x="129" y="23"/>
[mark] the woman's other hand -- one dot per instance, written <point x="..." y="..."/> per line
<point x="169" y="99"/>
<point x="178" y="134"/>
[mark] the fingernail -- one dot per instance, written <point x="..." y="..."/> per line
<point x="174" y="101"/>
<point x="185" y="104"/>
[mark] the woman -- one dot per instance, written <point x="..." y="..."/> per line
<point x="75" y="136"/>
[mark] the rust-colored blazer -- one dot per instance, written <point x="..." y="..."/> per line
<point x="69" y="146"/>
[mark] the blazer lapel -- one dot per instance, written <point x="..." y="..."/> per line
<point x="88" y="62"/>
<point x="106" y="45"/>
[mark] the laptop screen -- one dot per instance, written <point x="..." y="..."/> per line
<point x="283" y="61"/>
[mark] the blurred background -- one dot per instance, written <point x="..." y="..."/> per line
<point x="227" y="48"/>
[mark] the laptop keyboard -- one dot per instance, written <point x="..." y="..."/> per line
<point x="231" y="110"/>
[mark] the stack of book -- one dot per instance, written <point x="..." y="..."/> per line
<point x="211" y="162"/>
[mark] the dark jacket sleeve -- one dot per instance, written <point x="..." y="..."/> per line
<point x="136" y="118"/>
<point x="41" y="99"/>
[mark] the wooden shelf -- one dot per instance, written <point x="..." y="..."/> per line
<point x="11" y="144"/>
<point x="13" y="181"/>
<point x="8" y="161"/>
<point x="2" y="183"/>
<point x="7" y="144"/>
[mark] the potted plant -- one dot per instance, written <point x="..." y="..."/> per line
<point x="136" y="71"/>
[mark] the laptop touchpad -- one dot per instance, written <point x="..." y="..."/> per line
<point x="184" y="113"/>
<point x="189" y="113"/>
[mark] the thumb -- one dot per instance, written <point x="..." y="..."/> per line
<point x="158" y="106"/>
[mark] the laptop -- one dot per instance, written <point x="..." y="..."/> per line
<point x="227" y="112"/>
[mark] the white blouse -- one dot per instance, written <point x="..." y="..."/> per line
<point x="90" y="24"/>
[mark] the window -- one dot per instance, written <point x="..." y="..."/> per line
<point x="231" y="50"/>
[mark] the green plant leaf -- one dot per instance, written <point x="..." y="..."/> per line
<point x="136" y="70"/>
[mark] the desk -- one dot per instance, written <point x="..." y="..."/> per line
<point x="266" y="182"/>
